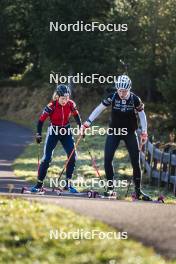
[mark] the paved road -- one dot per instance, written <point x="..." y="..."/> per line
<point x="13" y="139"/>
<point x="152" y="224"/>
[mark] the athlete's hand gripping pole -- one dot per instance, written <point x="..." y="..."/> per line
<point x="143" y="139"/>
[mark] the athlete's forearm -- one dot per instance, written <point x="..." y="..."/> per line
<point x="78" y="119"/>
<point x="39" y="127"/>
<point x="96" y="112"/>
<point x="143" y="120"/>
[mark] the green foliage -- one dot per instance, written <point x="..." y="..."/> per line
<point x="167" y="86"/>
<point x="147" y="45"/>
<point x="14" y="37"/>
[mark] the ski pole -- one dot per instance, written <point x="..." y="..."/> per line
<point x="140" y="149"/>
<point x="93" y="160"/>
<point x="125" y="65"/>
<point x="38" y="159"/>
<point x="129" y="184"/>
<point x="128" y="187"/>
<point x="71" y="154"/>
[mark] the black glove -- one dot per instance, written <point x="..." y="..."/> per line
<point x="38" y="138"/>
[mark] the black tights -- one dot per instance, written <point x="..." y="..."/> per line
<point x="112" y="143"/>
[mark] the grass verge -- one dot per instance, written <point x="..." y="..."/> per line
<point x="25" y="228"/>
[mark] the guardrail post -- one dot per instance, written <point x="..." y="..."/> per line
<point x="160" y="170"/>
<point x="175" y="183"/>
<point x="169" y="170"/>
<point x="145" y="153"/>
<point x="151" y="162"/>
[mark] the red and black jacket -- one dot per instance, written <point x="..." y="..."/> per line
<point x="59" y="115"/>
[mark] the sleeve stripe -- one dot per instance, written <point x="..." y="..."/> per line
<point x="140" y="107"/>
<point x="47" y="109"/>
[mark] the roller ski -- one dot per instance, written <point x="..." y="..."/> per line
<point x="66" y="191"/>
<point x="105" y="195"/>
<point x="33" y="190"/>
<point x="69" y="190"/>
<point x="108" y="194"/>
<point x="139" y="195"/>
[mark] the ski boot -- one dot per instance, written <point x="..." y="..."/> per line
<point x="69" y="187"/>
<point x="140" y="195"/>
<point x="35" y="190"/>
<point x="38" y="188"/>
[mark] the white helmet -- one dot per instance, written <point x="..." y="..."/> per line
<point x="123" y="82"/>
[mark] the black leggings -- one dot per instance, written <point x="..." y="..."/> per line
<point x="112" y="143"/>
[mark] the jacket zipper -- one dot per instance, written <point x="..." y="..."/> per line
<point x="62" y="116"/>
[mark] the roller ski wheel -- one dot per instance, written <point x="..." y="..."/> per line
<point x="70" y="190"/>
<point x="111" y="194"/>
<point x="92" y="194"/>
<point x="57" y="189"/>
<point x="160" y="199"/>
<point x="58" y="192"/>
